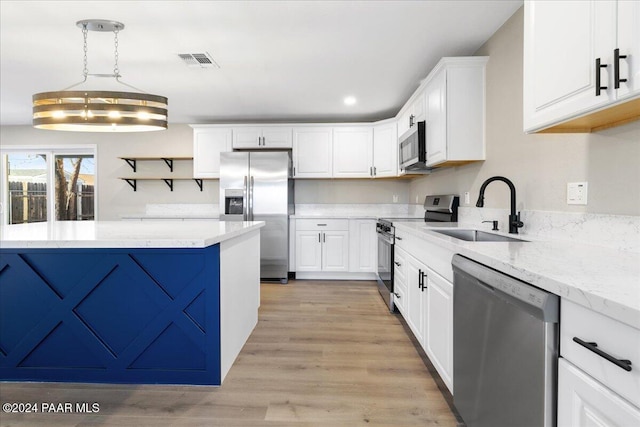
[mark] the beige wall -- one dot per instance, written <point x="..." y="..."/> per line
<point x="351" y="191"/>
<point x="115" y="197"/>
<point x="540" y="165"/>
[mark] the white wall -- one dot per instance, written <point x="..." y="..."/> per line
<point x="116" y="197"/>
<point x="540" y="165"/>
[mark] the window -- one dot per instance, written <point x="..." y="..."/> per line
<point x="48" y="185"/>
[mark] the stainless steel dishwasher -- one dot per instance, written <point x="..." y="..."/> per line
<point x="505" y="348"/>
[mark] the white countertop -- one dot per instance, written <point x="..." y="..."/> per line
<point x="122" y="234"/>
<point x="603" y="279"/>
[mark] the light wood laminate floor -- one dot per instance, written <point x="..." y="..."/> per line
<point x="323" y="354"/>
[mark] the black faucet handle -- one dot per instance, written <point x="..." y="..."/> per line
<point x="495" y="225"/>
<point x="517" y="222"/>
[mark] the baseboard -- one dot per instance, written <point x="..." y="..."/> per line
<point x="332" y="275"/>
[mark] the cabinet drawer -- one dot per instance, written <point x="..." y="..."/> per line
<point x="432" y="255"/>
<point x="399" y="266"/>
<point x="400" y="296"/>
<point x="612" y="337"/>
<point x="322" y="224"/>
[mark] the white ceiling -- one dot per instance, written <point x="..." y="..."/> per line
<point x="280" y="60"/>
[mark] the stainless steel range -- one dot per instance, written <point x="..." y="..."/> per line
<point x="437" y="209"/>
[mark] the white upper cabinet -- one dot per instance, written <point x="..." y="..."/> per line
<point x="385" y="150"/>
<point x="312" y="152"/>
<point x="208" y="143"/>
<point x="455" y="111"/>
<point x="413" y="112"/>
<point x="254" y="137"/>
<point x="571" y="68"/>
<point x="353" y="152"/>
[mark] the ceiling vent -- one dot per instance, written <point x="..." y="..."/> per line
<point x="198" y="60"/>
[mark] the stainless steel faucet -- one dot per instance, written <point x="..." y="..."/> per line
<point x="514" y="219"/>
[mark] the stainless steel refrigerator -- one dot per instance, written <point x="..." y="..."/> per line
<point x="258" y="186"/>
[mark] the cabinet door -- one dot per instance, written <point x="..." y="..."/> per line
<point x="562" y="40"/>
<point x="415" y="298"/>
<point x="629" y="45"/>
<point x="583" y="401"/>
<point x="312" y="152"/>
<point x="335" y="251"/>
<point x="363" y="245"/>
<point x="308" y="251"/>
<point x="418" y="108"/>
<point x="249" y="137"/>
<point x="438" y="327"/>
<point x="352" y="152"/>
<point x="436" y="119"/>
<point x="385" y="150"/>
<point x="277" y="137"/>
<point x="207" y="146"/>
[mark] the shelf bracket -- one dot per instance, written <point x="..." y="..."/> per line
<point x="199" y="182"/>
<point x="132" y="182"/>
<point x="169" y="163"/>
<point x="169" y="182"/>
<point x="131" y="162"/>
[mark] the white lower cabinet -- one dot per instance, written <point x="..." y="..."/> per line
<point x="583" y="401"/>
<point x="322" y="245"/>
<point x="415" y="297"/>
<point x="598" y="380"/>
<point x="335" y="250"/>
<point x="427" y="302"/>
<point x="438" y="325"/>
<point x="363" y="244"/>
<point x="400" y="280"/>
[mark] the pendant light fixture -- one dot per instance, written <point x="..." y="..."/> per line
<point x="95" y="110"/>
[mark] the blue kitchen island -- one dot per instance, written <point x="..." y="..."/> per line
<point x="140" y="302"/>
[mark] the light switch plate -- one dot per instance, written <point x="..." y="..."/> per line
<point x="577" y="193"/>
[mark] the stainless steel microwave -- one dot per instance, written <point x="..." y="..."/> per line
<point x="413" y="148"/>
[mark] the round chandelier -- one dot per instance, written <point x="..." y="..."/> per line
<point x="97" y="110"/>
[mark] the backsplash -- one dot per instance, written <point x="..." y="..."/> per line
<point x="613" y="231"/>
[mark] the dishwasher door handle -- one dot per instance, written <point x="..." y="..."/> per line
<point x="592" y="346"/>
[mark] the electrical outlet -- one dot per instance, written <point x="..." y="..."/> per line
<point x="577" y="193"/>
<point x="467" y="198"/>
<point x="395" y="198"/>
<point x="417" y="199"/>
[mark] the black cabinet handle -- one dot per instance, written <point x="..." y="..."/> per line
<point x="398" y="238"/>
<point x="396" y="294"/>
<point x="421" y="277"/>
<point x="616" y="68"/>
<point x="397" y="263"/>
<point x="592" y="346"/>
<point x="319" y="241"/>
<point x="598" y="82"/>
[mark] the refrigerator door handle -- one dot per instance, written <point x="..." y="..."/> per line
<point x="251" y="198"/>
<point x="245" y="198"/>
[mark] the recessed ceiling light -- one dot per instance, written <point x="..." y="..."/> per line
<point x="350" y="100"/>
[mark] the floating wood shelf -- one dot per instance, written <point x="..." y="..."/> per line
<point x="133" y="161"/>
<point x="133" y="181"/>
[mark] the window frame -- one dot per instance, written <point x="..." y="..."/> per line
<point x="50" y="152"/>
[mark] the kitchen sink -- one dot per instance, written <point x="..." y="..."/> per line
<point x="477" y="236"/>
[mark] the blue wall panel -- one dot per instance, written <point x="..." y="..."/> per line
<point x="110" y="315"/>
